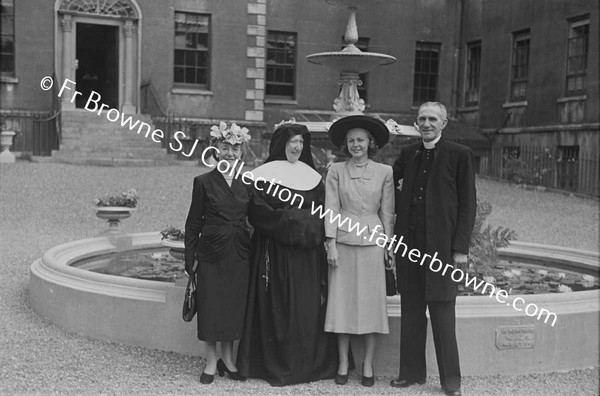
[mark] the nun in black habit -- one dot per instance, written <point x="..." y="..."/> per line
<point x="283" y="340"/>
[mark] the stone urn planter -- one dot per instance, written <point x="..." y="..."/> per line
<point x="177" y="248"/>
<point x="113" y="214"/>
<point x="6" y="141"/>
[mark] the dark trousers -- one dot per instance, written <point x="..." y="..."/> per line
<point x="413" y="328"/>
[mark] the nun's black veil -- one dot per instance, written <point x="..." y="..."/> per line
<point x="280" y="139"/>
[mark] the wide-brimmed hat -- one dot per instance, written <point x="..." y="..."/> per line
<point x="338" y="130"/>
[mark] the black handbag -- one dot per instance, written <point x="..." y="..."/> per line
<point x="189" y="301"/>
<point x="390" y="277"/>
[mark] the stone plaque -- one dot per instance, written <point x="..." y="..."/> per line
<point x="515" y="337"/>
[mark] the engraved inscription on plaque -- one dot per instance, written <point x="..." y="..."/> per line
<point x="515" y="337"/>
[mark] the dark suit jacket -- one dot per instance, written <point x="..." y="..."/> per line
<point x="450" y="205"/>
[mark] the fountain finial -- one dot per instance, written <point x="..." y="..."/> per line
<point x="351" y="35"/>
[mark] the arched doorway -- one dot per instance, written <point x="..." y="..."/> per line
<point x="97" y="47"/>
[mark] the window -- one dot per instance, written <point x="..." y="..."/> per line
<point x="427" y="59"/>
<point x="568" y="167"/>
<point x="473" y="73"/>
<point x="7" y="40"/>
<point x="192" y="50"/>
<point x="281" y="63"/>
<point x="577" y="55"/>
<point x="520" y="65"/>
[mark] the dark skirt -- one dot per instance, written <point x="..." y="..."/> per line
<point x="222" y="284"/>
<point x="284" y="341"/>
<point x="221" y="301"/>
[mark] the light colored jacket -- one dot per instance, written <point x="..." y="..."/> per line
<point x="363" y="201"/>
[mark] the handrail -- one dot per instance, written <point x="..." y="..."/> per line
<point x="150" y="86"/>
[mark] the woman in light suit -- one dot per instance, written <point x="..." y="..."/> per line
<point x="361" y="191"/>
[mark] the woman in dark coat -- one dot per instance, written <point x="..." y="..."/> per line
<point x="217" y="242"/>
<point x="283" y="340"/>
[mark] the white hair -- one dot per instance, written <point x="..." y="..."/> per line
<point x="438" y="105"/>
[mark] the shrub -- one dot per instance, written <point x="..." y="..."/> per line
<point x="173" y="234"/>
<point x="486" y="240"/>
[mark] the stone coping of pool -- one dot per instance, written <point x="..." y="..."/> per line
<point x="492" y="337"/>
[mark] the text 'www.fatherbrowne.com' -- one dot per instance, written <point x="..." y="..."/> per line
<point x="94" y="105"/>
<point x="436" y="265"/>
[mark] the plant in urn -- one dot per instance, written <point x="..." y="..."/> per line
<point x="116" y="208"/>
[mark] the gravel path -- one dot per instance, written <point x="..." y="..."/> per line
<point x="42" y="205"/>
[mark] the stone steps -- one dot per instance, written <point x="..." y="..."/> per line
<point x="103" y="124"/>
<point x="89" y="138"/>
<point x="108" y="141"/>
<point x="130" y="154"/>
<point x="124" y="162"/>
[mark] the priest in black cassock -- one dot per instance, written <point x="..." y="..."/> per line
<point x="435" y="212"/>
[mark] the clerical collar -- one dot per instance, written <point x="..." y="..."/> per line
<point x="431" y="145"/>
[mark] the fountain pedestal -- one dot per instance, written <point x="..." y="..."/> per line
<point x="350" y="62"/>
<point x="114" y="215"/>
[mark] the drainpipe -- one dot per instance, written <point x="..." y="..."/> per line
<point x="458" y="35"/>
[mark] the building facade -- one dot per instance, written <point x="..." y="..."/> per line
<point x="529" y="80"/>
<point x="524" y="72"/>
<point x="221" y="59"/>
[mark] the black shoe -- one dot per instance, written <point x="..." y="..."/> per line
<point x="234" y="375"/>
<point x="367" y="381"/>
<point x="341" y="379"/>
<point x="404" y="383"/>
<point x="453" y="392"/>
<point x="207" y="378"/>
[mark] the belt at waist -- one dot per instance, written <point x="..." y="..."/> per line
<point x="225" y="222"/>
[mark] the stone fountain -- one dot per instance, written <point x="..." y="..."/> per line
<point x="349" y="63"/>
<point x="494" y="337"/>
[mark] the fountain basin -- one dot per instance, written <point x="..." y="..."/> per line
<point x="493" y="337"/>
<point x="350" y="62"/>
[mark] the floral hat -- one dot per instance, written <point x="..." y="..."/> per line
<point x="232" y="135"/>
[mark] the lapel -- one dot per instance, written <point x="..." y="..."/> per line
<point x="238" y="188"/>
<point x="220" y="181"/>
<point x="357" y="172"/>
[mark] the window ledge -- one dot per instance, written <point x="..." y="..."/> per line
<point x="9" y="80"/>
<point x="191" y="91"/>
<point x="281" y="101"/>
<point x="508" y="105"/>
<point x="571" y="98"/>
<point x="468" y="108"/>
